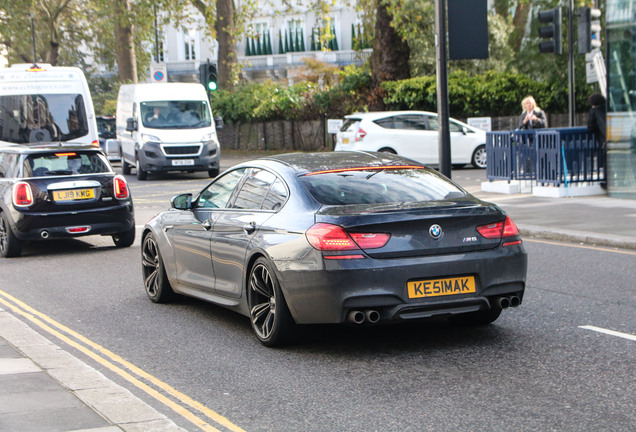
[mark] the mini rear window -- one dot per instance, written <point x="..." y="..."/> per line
<point x="386" y="185"/>
<point x="65" y="163"/>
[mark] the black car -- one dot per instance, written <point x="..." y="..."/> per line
<point x="55" y="191"/>
<point x="336" y="237"/>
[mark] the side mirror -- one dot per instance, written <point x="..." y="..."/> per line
<point x="111" y="147"/>
<point x="182" y="202"/>
<point x="218" y="122"/>
<point x="131" y="125"/>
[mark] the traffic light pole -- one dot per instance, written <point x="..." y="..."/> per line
<point x="571" y="94"/>
<point x="442" y="89"/>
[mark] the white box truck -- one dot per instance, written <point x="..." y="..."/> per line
<point x="43" y="103"/>
<point x="166" y="127"/>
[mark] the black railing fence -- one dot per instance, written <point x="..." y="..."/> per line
<point x="547" y="156"/>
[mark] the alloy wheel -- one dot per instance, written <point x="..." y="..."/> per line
<point x="262" y="301"/>
<point x="151" y="267"/>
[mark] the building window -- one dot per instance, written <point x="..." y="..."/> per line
<point x="260" y="41"/>
<point x="189" y="45"/>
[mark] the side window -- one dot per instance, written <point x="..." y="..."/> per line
<point x="386" y="123"/>
<point x="276" y="196"/>
<point x="218" y="194"/>
<point x="254" y="189"/>
<point x="455" y="127"/>
<point x="410" y="122"/>
<point x="433" y="124"/>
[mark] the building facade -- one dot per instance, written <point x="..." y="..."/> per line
<point x="621" y="98"/>
<point x="275" y="45"/>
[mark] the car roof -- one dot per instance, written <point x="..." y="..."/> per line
<point x="379" y="114"/>
<point x="304" y="163"/>
<point x="31" y="148"/>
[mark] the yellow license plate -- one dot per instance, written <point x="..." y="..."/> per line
<point x="74" y="195"/>
<point x="345" y="140"/>
<point x="441" y="287"/>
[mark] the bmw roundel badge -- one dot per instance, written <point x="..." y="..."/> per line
<point x="435" y="231"/>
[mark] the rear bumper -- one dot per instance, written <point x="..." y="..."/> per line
<point x="105" y="221"/>
<point x="328" y="295"/>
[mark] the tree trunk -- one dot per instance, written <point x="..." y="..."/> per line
<point x="390" y="57"/>
<point x="519" y="21"/>
<point x="225" y="31"/>
<point x="125" y="44"/>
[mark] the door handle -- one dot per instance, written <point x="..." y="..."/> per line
<point x="249" y="228"/>
<point x="207" y="224"/>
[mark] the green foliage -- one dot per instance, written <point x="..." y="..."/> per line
<point x="104" y="94"/>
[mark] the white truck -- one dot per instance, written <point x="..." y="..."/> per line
<point x="166" y="127"/>
<point x="43" y="103"/>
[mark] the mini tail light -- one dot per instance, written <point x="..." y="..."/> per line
<point x="120" y="188"/>
<point x="498" y="230"/>
<point x="22" y="194"/>
<point x="328" y="237"/>
<point x="360" y="134"/>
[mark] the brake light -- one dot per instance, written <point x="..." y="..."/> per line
<point x="360" y="134"/>
<point x="68" y="154"/>
<point x="22" y="195"/>
<point x="120" y="188"/>
<point x="499" y="230"/>
<point x="328" y="237"/>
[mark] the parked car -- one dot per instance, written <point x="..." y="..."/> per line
<point x="412" y="134"/>
<point x="55" y="191"/>
<point x="335" y="237"/>
<point x="106" y="131"/>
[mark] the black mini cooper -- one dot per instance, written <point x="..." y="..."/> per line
<point x="56" y="191"/>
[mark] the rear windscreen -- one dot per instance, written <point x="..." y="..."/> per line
<point x="42" y="118"/>
<point x="64" y="163"/>
<point x="379" y="186"/>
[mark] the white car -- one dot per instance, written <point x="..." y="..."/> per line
<point x="412" y="134"/>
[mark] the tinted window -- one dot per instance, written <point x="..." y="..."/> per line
<point x="409" y="122"/>
<point x="276" y="196"/>
<point x="455" y="127"/>
<point x="386" y="123"/>
<point x="42" y="118"/>
<point x="64" y="163"/>
<point x="218" y="194"/>
<point x="254" y="189"/>
<point x="377" y="186"/>
<point x="175" y="114"/>
<point x="350" y="125"/>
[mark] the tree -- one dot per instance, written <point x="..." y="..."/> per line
<point x="390" y="57"/>
<point x="125" y="42"/>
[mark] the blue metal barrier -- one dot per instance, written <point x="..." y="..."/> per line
<point x="549" y="156"/>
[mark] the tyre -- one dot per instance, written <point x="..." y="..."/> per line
<point x="125" y="239"/>
<point x="10" y="245"/>
<point x="213" y="172"/>
<point x="479" y="157"/>
<point x="482" y="317"/>
<point x="125" y="167"/>
<point x="156" y="281"/>
<point x="270" y="317"/>
<point x="141" y="174"/>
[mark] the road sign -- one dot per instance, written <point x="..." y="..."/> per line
<point x="158" y="73"/>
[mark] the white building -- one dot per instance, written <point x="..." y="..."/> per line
<point x="274" y="45"/>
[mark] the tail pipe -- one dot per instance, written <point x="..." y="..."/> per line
<point x="358" y="317"/>
<point x="509" y="301"/>
<point x="44" y="234"/>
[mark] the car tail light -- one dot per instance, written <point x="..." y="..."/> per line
<point x="498" y="230"/>
<point x="328" y="237"/>
<point x="22" y="194"/>
<point x="120" y="188"/>
<point x="95" y="143"/>
<point x="360" y="134"/>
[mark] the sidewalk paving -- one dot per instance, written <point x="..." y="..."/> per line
<point x="45" y="389"/>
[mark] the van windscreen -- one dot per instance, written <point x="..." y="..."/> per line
<point x="175" y="114"/>
<point x="42" y="118"/>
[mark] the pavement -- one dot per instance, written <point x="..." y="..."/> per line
<point x="43" y="388"/>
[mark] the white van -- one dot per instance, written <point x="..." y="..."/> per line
<point x="166" y="127"/>
<point x="44" y="103"/>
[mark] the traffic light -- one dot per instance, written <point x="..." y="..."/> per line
<point x="551" y="32"/>
<point x="207" y="76"/>
<point x="589" y="27"/>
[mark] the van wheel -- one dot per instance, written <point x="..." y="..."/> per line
<point x="213" y="172"/>
<point x="125" y="168"/>
<point x="141" y="174"/>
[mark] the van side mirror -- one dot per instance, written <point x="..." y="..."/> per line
<point x="131" y="125"/>
<point x="218" y="122"/>
<point x="182" y="202"/>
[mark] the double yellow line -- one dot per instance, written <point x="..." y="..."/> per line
<point x="131" y="373"/>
